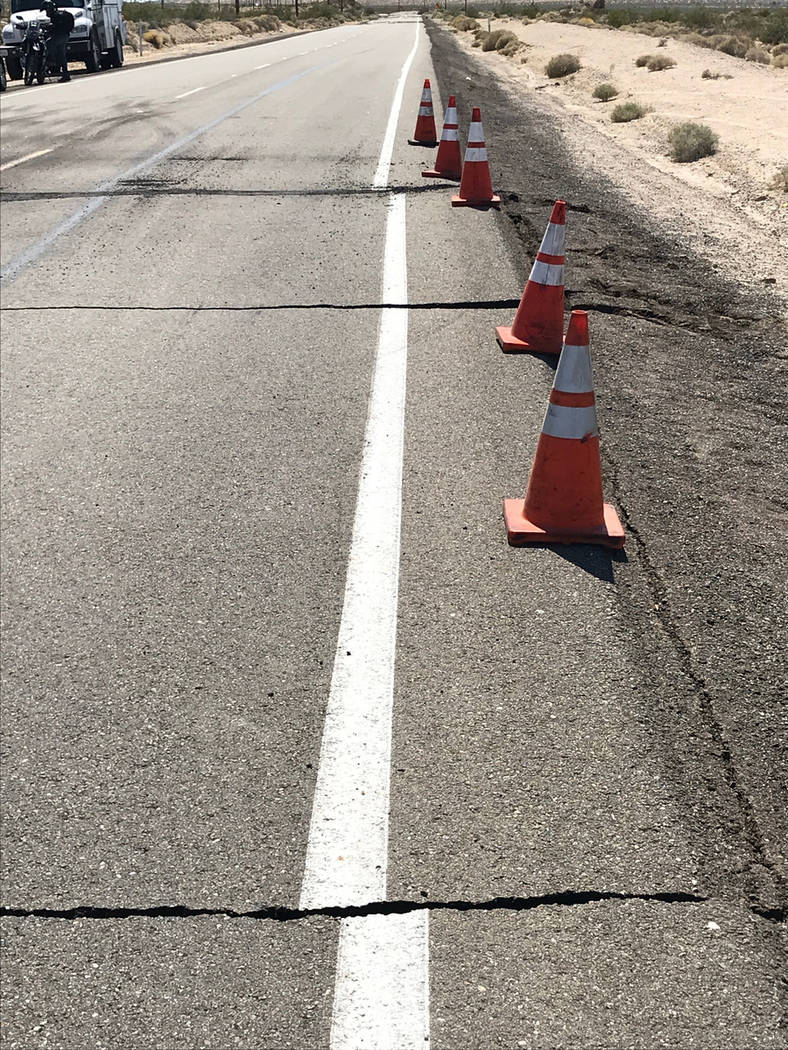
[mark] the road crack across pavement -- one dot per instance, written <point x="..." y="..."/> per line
<point x="564" y="899"/>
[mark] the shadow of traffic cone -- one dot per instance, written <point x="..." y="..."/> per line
<point x="448" y="162"/>
<point x="539" y="322"/>
<point x="475" y="185"/>
<point x="563" y="503"/>
<point x="425" y="133"/>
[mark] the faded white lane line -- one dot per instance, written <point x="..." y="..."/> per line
<point x="22" y="160"/>
<point x="381" y="992"/>
<point x="381" y="179"/>
<point x="192" y="92"/>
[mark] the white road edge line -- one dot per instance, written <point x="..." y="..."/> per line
<point x="381" y="992"/>
<point x="381" y="179"/>
<point x="32" y="254"/>
<point x="192" y="92"/>
<point x="21" y="160"/>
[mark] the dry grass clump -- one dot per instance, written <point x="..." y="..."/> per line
<point x="497" y="40"/>
<point x="695" y="39"/>
<point x="758" y="54"/>
<point x="562" y="65"/>
<point x="708" y="75"/>
<point x="643" y="60"/>
<point x="511" y="48"/>
<point x="780" y="180"/>
<point x="659" y="62"/>
<point x="627" y="111"/>
<point x="780" y="61"/>
<point x="731" y="45"/>
<point x="690" y="142"/>
<point x="604" y="92"/>
<point x="155" y="37"/>
<point x="780" y="49"/>
<point x="464" y="23"/>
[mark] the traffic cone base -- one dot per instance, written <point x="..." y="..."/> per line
<point x="460" y="202"/>
<point x="428" y="145"/>
<point x="520" y="531"/>
<point x="510" y="344"/>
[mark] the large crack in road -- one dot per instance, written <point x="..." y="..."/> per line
<point x="688" y="377"/>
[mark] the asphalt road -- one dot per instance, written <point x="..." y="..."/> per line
<point x="586" y="763"/>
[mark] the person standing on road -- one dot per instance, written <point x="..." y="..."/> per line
<point x="62" y="24"/>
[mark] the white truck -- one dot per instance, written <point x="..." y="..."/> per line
<point x="97" y="38"/>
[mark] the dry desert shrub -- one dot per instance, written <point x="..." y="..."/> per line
<point x="510" y="48"/>
<point x="780" y="49"/>
<point x="659" y="62"/>
<point x="562" y="65"/>
<point x="695" y="39"/>
<point x="627" y="111"/>
<point x="497" y="39"/>
<point x="758" y="54"/>
<point x="155" y="37"/>
<point x="780" y="62"/>
<point x="604" y="92"/>
<point x="464" y="23"/>
<point x="731" y="45"/>
<point x="780" y="180"/>
<point x="708" y="75"/>
<point x="690" y="142"/>
<point x="643" y="60"/>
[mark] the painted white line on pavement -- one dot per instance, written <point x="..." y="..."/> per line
<point x="384" y="163"/>
<point x="348" y="837"/>
<point x="21" y="262"/>
<point x="265" y="65"/>
<point x="192" y="92"/>
<point x="381" y="996"/>
<point x="21" y="160"/>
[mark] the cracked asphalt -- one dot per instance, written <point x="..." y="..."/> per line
<point x="588" y="751"/>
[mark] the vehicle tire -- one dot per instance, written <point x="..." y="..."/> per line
<point x="13" y="67"/>
<point x="3" y="78"/>
<point x="41" y="72"/>
<point x="116" y="54"/>
<point x="30" y="70"/>
<point x="93" y="61"/>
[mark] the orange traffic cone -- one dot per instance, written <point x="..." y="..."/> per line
<point x="475" y="185"/>
<point x="563" y="503"/>
<point x="448" y="162"/>
<point x="425" y="133"/>
<point x="539" y="322"/>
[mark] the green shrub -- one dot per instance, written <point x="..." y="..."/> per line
<point x="621" y="16"/>
<point x="604" y="92"/>
<point x="627" y="111"/>
<point x="562" y="65"/>
<point x="690" y="142"/>
<point x="758" y="54"/>
<point x="659" y="62"/>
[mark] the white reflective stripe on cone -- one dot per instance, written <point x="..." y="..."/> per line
<point x="576" y="423"/>
<point x="425" y="111"/>
<point x="573" y="375"/>
<point x="476" y="133"/>
<point x="474" y="153"/>
<point x="545" y="273"/>
<point x="450" y="135"/>
<point x="553" y="240"/>
<point x="426" y="95"/>
<point x="451" y="116"/>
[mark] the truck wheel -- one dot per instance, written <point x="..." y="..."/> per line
<point x="14" y="67"/>
<point x="3" y="81"/>
<point x="116" y="54"/>
<point x="93" y="61"/>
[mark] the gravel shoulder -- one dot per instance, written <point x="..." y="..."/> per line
<point x="727" y="205"/>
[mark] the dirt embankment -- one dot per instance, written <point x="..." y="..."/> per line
<point x="733" y="203"/>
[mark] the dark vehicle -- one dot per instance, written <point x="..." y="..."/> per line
<point x="35" y="56"/>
